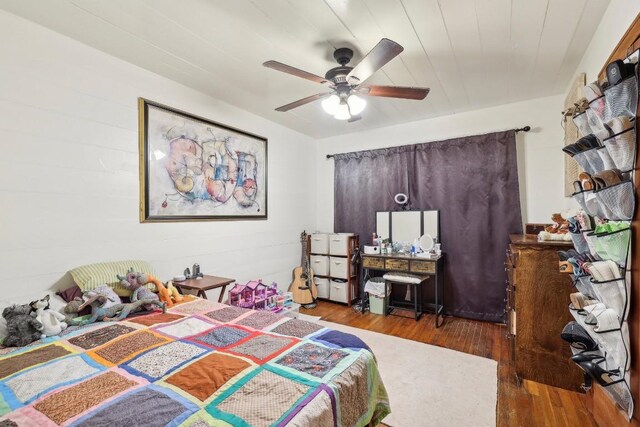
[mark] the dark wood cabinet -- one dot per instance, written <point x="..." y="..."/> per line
<point x="537" y="311"/>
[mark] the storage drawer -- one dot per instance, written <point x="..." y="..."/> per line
<point x="338" y="291"/>
<point x="320" y="264"/>
<point x="511" y="322"/>
<point x="323" y="287"/>
<point x="512" y="256"/>
<point x="339" y="243"/>
<point x="339" y="267"/>
<point x="396" y="264"/>
<point x="423" y="267"/>
<point x="371" y="262"/>
<point x="510" y="273"/>
<point x="319" y="243"/>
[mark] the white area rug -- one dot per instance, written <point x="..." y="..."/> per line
<point x="429" y="385"/>
<point x="306" y="317"/>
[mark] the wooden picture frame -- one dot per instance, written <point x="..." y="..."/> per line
<point x="194" y="169"/>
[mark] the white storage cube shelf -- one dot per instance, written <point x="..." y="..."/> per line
<point x="339" y="267"/>
<point x="339" y="243"/>
<point x="320" y="264"/>
<point x="338" y="291"/>
<point x="319" y="243"/>
<point x="329" y="260"/>
<point x="323" y="287"/>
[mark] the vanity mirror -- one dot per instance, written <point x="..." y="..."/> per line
<point x="406" y="226"/>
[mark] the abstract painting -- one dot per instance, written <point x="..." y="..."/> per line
<point x="194" y="169"/>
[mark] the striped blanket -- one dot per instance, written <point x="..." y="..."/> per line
<point x="199" y="364"/>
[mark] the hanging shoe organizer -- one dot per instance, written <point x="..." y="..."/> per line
<point x="610" y="118"/>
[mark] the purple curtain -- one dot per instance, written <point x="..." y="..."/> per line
<point x="472" y="181"/>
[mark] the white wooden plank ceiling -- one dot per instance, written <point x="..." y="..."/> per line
<point x="471" y="53"/>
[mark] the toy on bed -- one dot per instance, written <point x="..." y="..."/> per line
<point x="173" y="292"/>
<point x="115" y="312"/>
<point x="254" y="294"/>
<point x="72" y="309"/>
<point x="53" y="322"/>
<point x="106" y="291"/>
<point x="241" y="296"/>
<point x="22" y="328"/>
<point x="135" y="282"/>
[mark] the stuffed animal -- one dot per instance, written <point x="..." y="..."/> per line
<point x="173" y="291"/>
<point x="72" y="309"/>
<point x="22" y="328"/>
<point x="53" y="322"/>
<point x="559" y="226"/>
<point x="135" y="282"/>
<point x="114" y="312"/>
<point x="105" y="290"/>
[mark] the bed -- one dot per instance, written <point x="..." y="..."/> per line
<point x="201" y="363"/>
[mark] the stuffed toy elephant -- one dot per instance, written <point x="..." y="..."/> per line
<point x="22" y="328"/>
<point x="135" y="282"/>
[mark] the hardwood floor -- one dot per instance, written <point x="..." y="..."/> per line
<point x="525" y="404"/>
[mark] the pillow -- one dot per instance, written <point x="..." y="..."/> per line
<point x="71" y="293"/>
<point x="89" y="277"/>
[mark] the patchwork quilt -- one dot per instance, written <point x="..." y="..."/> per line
<point x="199" y="364"/>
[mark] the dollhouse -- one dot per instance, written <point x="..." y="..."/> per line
<point x="254" y="294"/>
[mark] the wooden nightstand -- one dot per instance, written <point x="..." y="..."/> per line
<point x="206" y="283"/>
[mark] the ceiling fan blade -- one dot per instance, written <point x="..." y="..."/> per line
<point x="354" y="118"/>
<point x="395" y="91"/>
<point x="303" y="101"/>
<point x="382" y="53"/>
<point x="279" y="66"/>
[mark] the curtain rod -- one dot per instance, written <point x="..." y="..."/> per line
<point x="516" y="130"/>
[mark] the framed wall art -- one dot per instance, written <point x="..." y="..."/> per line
<point x="193" y="169"/>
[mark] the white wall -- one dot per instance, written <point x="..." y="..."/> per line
<point x="615" y="22"/>
<point x="69" y="171"/>
<point x="540" y="162"/>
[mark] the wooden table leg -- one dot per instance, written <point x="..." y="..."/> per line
<point x="202" y="294"/>
<point x="222" y="293"/>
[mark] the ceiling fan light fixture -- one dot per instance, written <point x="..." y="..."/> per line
<point x="356" y="104"/>
<point x="347" y="83"/>
<point x="342" y="112"/>
<point x="331" y="104"/>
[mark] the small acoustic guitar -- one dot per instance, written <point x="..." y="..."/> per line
<point x="303" y="287"/>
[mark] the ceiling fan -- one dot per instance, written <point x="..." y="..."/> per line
<point x="344" y="101"/>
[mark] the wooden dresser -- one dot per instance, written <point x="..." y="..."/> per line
<point x="537" y="310"/>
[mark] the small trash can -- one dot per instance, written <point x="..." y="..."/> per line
<point x="378" y="305"/>
<point x="378" y="301"/>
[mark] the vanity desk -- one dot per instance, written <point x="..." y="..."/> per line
<point x="414" y="265"/>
